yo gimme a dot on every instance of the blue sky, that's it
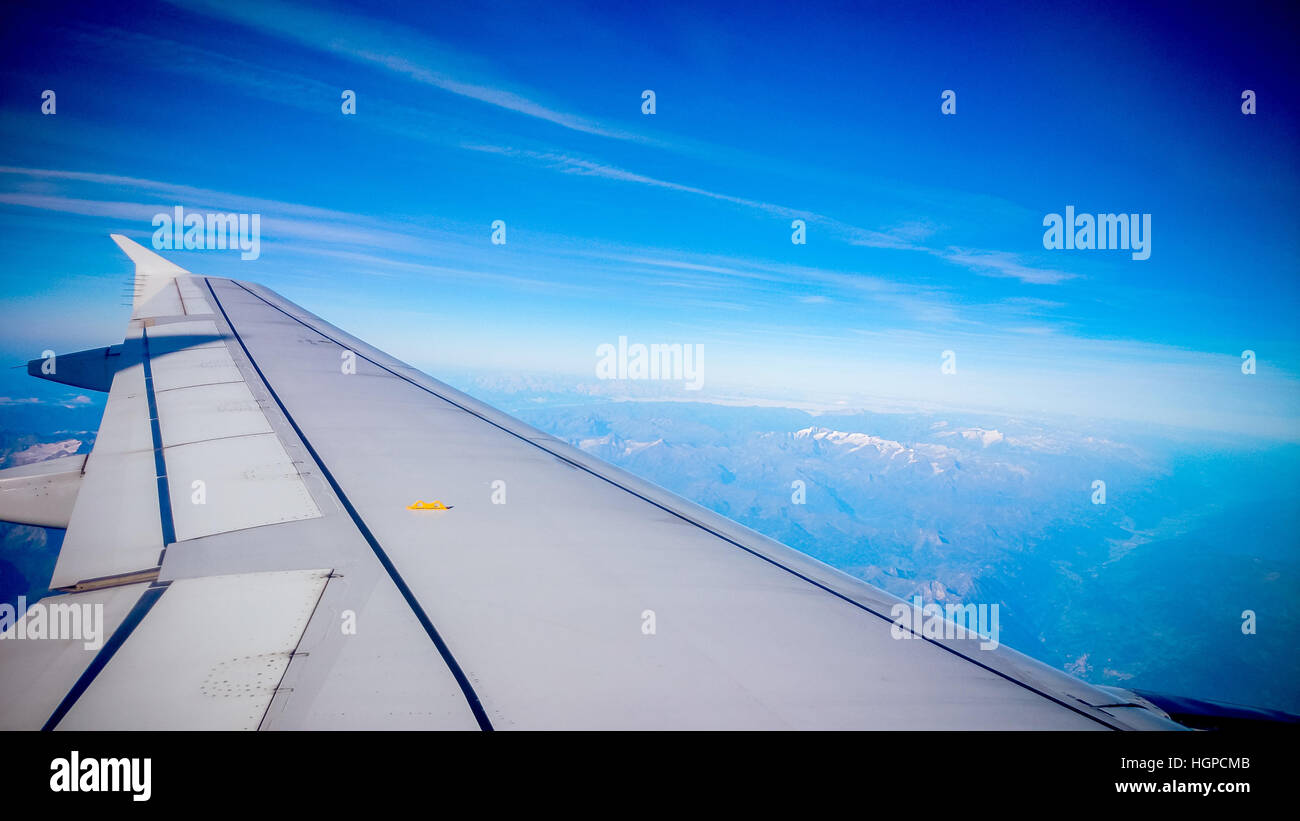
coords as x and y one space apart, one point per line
924 231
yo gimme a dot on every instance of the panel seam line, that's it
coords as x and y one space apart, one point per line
467 689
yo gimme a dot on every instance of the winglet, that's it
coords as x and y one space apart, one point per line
152 272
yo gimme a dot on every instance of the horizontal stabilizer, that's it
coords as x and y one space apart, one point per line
92 369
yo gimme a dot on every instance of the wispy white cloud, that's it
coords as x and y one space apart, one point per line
393 48
907 236
1004 265
386 248
278 218
389 47
133 211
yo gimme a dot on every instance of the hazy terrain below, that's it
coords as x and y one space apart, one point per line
32 431
1146 590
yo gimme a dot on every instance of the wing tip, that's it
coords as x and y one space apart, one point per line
152 272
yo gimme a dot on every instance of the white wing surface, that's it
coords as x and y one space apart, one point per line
243 525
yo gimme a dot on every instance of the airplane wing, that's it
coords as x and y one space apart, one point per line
244 528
